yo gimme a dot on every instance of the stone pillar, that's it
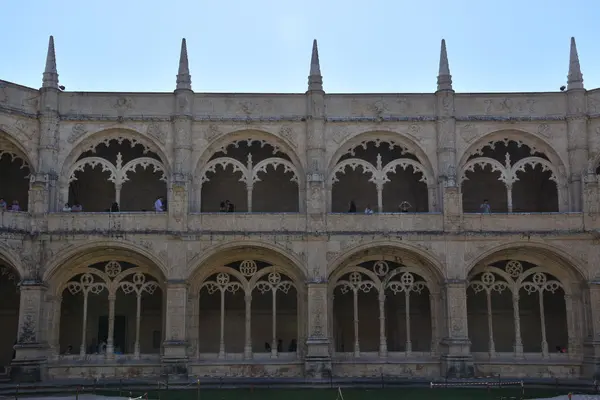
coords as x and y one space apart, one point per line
446 137
317 359
457 361
591 200
591 358
175 357
577 146
452 206
30 360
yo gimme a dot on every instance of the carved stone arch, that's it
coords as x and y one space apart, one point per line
519 136
9 144
353 163
106 165
382 136
11 259
482 162
223 162
228 270
202 265
92 252
556 261
355 268
403 163
243 135
520 165
428 265
135 270
80 271
275 162
265 272
93 139
143 162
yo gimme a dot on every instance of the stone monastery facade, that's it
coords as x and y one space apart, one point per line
295 276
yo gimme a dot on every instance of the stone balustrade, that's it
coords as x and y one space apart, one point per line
151 222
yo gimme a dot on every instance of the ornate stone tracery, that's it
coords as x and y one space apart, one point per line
517 158
247 277
112 278
514 278
380 278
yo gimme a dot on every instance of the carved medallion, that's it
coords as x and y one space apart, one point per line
123 103
212 132
287 133
544 130
77 132
155 131
468 132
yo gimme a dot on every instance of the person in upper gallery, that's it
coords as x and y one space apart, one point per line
485 207
352 207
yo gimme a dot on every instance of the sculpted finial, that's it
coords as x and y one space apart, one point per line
50 77
444 80
575 77
184 79
315 79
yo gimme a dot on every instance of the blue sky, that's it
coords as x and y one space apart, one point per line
265 45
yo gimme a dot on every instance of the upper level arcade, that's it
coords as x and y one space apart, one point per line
82 161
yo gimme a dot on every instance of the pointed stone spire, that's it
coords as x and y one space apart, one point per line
444 80
315 79
50 77
575 77
184 79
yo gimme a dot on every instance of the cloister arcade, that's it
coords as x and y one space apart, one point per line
15 171
514 176
115 170
109 309
9 312
384 175
385 303
255 175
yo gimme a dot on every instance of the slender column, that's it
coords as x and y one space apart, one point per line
407 314
543 324
118 194
517 321
138 317
356 340
110 342
571 328
56 327
274 325
509 198
84 325
222 338
248 344
491 345
432 196
382 335
249 197
433 309
380 198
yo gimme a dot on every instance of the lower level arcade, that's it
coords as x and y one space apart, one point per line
383 312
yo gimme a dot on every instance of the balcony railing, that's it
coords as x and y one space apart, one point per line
151 222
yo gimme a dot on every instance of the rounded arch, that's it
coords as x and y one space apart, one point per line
401 252
380 136
205 263
519 136
91 140
248 134
11 259
9 144
569 269
100 251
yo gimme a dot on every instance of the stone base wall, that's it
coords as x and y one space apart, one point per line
516 369
90 371
372 369
250 370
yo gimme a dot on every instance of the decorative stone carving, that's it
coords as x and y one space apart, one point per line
287 132
508 106
212 132
544 130
118 172
155 131
123 103
468 132
77 132
29 128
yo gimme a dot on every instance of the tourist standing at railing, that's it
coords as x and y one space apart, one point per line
67 208
15 206
158 205
3 205
352 207
485 207
368 210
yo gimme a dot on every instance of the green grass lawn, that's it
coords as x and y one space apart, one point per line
349 394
